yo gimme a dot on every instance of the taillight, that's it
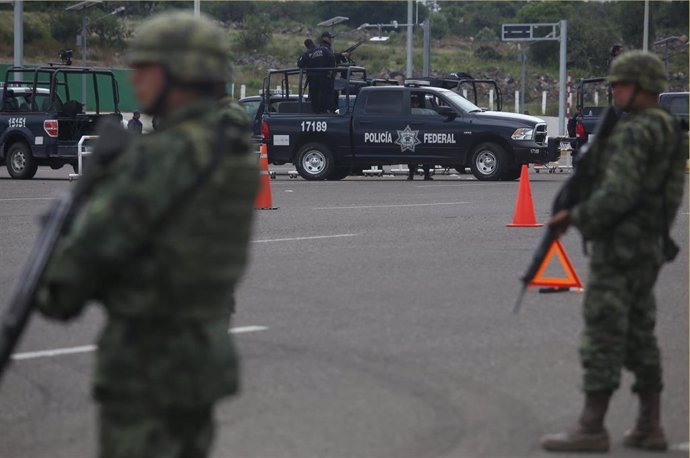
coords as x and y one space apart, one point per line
580 130
51 127
265 131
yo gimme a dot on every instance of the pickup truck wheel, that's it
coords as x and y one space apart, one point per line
339 173
20 162
489 161
314 162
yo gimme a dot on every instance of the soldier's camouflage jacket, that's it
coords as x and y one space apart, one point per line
163 255
621 205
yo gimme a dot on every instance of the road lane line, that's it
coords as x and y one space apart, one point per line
91 348
390 206
56 352
683 447
26 198
316 237
246 329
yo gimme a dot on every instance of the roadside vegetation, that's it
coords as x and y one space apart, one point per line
465 37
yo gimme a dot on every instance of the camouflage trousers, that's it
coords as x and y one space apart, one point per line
620 316
138 430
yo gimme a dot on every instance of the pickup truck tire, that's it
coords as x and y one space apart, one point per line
315 161
20 162
339 173
489 162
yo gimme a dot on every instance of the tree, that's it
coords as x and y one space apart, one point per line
256 35
630 20
544 53
109 29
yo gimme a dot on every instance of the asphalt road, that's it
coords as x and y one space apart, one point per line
374 321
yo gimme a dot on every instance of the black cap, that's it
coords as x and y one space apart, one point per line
327 34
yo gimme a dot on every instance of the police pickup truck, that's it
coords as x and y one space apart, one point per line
402 125
41 122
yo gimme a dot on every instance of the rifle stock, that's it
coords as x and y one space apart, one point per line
112 140
566 199
22 300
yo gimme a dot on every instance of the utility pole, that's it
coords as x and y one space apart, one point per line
18 33
645 34
426 26
197 8
522 57
410 31
562 76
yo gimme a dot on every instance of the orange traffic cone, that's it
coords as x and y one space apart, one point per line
570 281
524 208
264 200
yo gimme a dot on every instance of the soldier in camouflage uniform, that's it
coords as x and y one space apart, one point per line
161 244
632 194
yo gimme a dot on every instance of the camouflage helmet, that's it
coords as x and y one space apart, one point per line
640 67
193 50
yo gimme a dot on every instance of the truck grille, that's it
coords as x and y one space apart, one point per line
540 134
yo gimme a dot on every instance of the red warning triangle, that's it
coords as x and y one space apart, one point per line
570 280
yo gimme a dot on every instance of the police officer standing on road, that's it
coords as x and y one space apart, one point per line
625 210
134 125
161 243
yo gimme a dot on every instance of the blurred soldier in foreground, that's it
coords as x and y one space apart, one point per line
161 244
625 210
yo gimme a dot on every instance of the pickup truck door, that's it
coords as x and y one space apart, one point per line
375 125
441 137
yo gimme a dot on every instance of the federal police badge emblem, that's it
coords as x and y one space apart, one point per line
407 139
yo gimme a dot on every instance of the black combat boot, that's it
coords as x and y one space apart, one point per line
411 172
588 434
647 433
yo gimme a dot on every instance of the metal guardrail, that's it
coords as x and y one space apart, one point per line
82 151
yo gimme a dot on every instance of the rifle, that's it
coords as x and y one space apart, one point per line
112 140
566 199
354 46
351 49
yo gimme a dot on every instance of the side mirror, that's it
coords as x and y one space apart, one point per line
447 112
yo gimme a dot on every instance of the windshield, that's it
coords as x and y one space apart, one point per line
460 101
251 107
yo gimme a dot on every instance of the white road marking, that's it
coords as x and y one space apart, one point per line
56 352
246 329
317 237
390 206
27 198
684 447
91 348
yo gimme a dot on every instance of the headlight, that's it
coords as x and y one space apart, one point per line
523 133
